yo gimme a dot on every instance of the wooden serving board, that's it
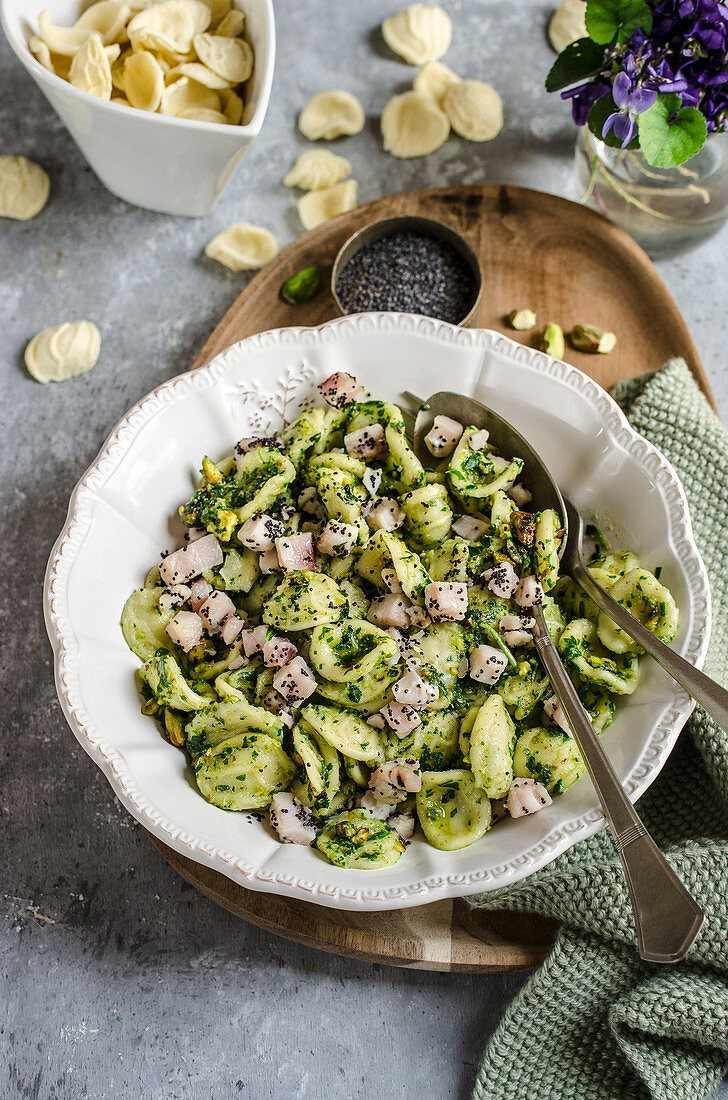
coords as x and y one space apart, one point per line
571 266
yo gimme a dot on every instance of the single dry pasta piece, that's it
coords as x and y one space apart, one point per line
143 80
113 52
199 72
24 188
316 169
435 78
317 207
331 114
413 125
421 33
475 110
61 40
41 53
243 247
230 58
107 17
568 23
117 73
232 26
201 114
185 95
63 351
91 70
232 106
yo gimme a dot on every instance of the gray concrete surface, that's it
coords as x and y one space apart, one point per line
117 979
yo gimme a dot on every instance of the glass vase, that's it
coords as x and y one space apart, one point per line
666 210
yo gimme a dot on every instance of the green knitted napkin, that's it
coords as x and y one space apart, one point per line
596 1022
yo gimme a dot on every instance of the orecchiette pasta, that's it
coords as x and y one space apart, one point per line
63 351
230 58
243 247
143 80
331 114
317 207
567 24
90 68
317 169
413 125
347 637
24 188
107 17
434 79
421 33
474 109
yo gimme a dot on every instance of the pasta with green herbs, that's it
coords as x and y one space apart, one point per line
345 639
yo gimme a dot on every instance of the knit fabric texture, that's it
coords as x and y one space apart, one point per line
596 1022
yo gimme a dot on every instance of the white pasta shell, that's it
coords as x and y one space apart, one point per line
185 95
331 114
435 78
117 73
232 26
421 33
91 70
63 351
316 169
113 52
41 53
413 125
61 40
475 110
200 114
199 72
243 247
230 58
143 81
568 23
108 18
24 188
173 23
317 207
232 106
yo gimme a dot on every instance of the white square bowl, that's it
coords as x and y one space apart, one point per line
170 165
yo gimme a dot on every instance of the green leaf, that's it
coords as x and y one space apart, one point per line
598 115
579 60
670 134
610 19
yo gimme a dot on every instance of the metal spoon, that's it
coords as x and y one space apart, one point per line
667 919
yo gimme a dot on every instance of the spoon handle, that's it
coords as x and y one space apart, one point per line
667 919
711 696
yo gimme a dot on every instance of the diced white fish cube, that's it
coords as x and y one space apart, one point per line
230 628
529 592
339 389
291 820
401 718
368 442
478 441
185 630
371 480
443 436
526 796
415 691
268 562
501 579
555 711
199 591
487 664
386 515
260 532
468 527
337 538
389 610
296 552
404 825
215 610
520 495
295 682
189 561
174 597
446 601
278 652
252 442
395 779
253 640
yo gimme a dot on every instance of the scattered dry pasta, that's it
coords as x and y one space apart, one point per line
421 33
413 125
24 188
63 351
331 114
185 58
317 207
317 169
243 247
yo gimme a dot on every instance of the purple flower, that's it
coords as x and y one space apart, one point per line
631 100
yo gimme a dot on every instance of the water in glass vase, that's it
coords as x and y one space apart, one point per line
666 210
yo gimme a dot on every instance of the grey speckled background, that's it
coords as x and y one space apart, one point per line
118 979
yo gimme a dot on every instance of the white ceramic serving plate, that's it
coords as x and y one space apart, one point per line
118 523
171 165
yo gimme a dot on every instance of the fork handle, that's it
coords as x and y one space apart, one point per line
712 697
667 919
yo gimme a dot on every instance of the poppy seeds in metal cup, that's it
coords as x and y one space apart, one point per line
408 272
